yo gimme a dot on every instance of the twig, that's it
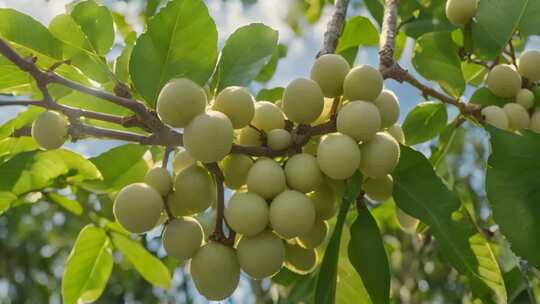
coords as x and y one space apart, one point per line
512 52
166 156
334 28
218 235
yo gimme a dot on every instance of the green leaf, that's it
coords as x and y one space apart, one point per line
88 267
6 198
11 77
150 267
245 53
272 95
12 146
530 24
513 189
125 29
325 291
268 71
96 22
66 203
425 121
376 9
181 41
436 58
25 31
419 192
484 97
22 119
357 31
473 73
121 64
367 255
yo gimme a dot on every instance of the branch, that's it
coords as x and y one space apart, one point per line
218 235
334 28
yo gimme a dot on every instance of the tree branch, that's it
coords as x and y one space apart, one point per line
334 28
218 235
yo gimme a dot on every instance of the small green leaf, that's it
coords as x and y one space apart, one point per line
121 64
245 53
268 71
66 203
88 267
96 22
272 95
484 97
6 198
425 121
150 267
358 31
12 146
474 74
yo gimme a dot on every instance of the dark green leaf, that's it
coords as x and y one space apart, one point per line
350 55
66 203
484 97
6 198
96 22
268 71
358 31
376 9
425 121
535 90
272 95
530 24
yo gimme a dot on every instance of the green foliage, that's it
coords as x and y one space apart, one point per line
268 71
97 24
484 97
272 95
425 121
358 31
70 205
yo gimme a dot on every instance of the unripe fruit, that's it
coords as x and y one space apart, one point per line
209 136
363 83
496 117
292 214
50 130
303 173
247 136
137 207
215 271
237 103
194 192
388 106
324 202
180 101
300 260
182 237
379 189
247 213
359 119
235 169
315 237
183 160
303 101
397 133
518 117
338 156
279 139
525 98
268 116
535 122
405 221
266 178
159 179
504 81
208 222
329 72
379 155
326 112
529 65
460 12
262 255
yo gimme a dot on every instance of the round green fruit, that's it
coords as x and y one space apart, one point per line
292 214
279 139
460 12
182 237
235 169
315 237
525 98
329 71
535 122
303 101
194 192
359 119
262 255
237 103
183 160
159 179
266 178
397 133
529 65
268 116
338 156
50 130
496 117
406 222
180 101
137 207
388 106
209 137
324 202
300 260
379 155
215 271
303 173
247 136
379 189
504 81
247 213
518 117
363 83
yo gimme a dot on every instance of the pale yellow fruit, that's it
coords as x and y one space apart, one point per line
504 81
180 101
388 106
315 237
496 117
266 178
194 192
303 173
406 222
279 139
525 98
268 116
182 237
303 101
292 214
326 112
359 119
209 137
235 169
137 207
535 122
518 117
50 130
379 189
363 83
529 65
329 72
183 160
379 155
237 103
247 213
460 12
215 271
324 202
338 156
300 260
262 255
247 136
397 133
159 179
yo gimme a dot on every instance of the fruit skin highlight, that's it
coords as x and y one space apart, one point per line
329 71
303 101
262 255
397 133
50 130
292 214
180 101
182 237
137 207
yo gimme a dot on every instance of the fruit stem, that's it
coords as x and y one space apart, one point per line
218 235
